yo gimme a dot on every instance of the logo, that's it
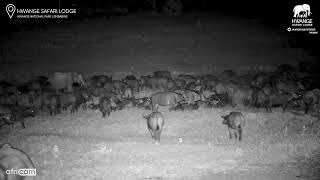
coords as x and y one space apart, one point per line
302 11
302 20
38 13
22 172
10 8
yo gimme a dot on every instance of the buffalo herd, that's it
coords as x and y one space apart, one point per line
60 92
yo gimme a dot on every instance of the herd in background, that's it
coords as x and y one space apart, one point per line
68 92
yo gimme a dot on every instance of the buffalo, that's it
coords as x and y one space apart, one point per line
235 122
155 122
170 99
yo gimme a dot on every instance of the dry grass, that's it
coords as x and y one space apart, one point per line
193 144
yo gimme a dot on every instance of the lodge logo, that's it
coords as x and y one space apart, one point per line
38 13
302 11
302 20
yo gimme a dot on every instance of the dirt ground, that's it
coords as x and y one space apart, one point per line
195 144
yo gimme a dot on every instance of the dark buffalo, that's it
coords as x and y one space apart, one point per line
191 96
128 93
180 83
8 88
145 80
68 100
206 94
227 75
51 102
289 87
242 96
23 100
208 77
99 80
162 74
170 99
61 80
20 113
82 97
219 100
134 84
5 116
191 85
128 103
259 98
281 99
130 77
311 99
187 78
159 83
260 80
118 86
186 107
16 114
235 122
226 88
108 86
105 106
155 122
172 85
8 99
211 84
23 89
243 80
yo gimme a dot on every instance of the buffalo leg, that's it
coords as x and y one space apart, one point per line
23 124
284 107
235 132
152 135
306 108
158 134
240 133
229 130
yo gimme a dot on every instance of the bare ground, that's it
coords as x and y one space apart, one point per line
194 145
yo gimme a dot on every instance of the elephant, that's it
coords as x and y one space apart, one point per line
305 8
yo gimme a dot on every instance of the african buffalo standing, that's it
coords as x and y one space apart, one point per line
280 99
61 80
155 122
159 83
170 99
162 74
235 122
310 99
191 96
242 95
